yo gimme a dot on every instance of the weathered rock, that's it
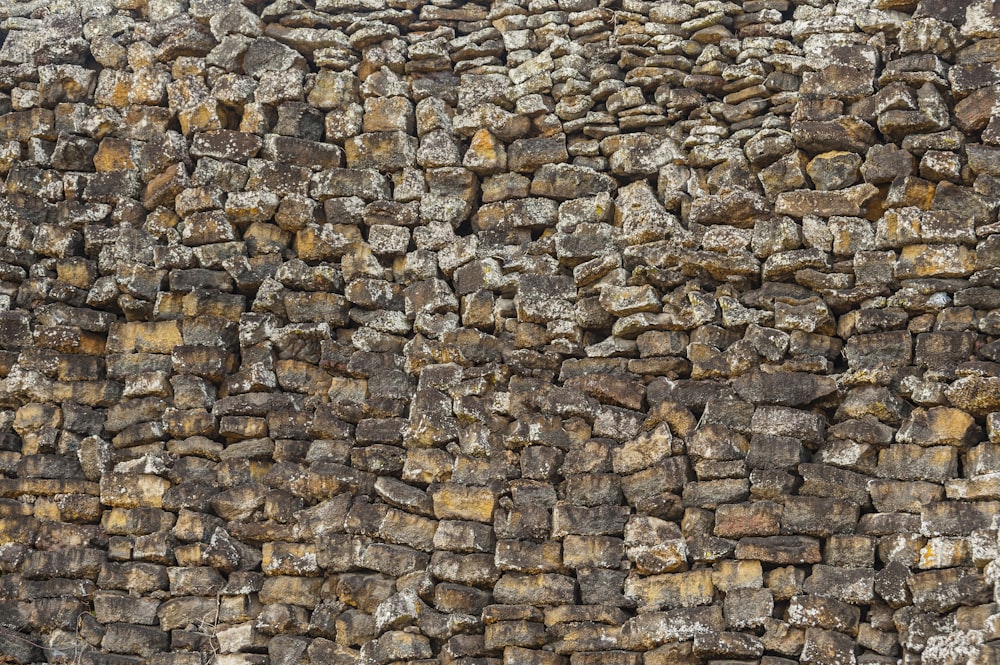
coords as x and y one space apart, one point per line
528 155
781 550
639 154
975 395
564 181
834 170
849 202
383 151
786 389
378 299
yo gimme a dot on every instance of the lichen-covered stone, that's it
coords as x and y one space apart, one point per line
359 332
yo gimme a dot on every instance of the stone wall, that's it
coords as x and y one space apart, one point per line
540 332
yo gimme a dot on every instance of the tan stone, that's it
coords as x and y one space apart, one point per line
671 591
939 426
851 202
975 394
403 528
315 243
113 88
945 552
728 575
164 188
386 151
427 465
114 154
289 559
34 416
298 376
486 154
643 451
133 490
388 114
143 337
760 518
205 116
76 271
941 261
462 502
911 191
302 591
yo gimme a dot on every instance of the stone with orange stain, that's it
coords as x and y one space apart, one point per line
486 154
944 552
463 502
114 153
69 339
911 191
940 261
144 337
76 271
203 116
163 189
113 88
939 426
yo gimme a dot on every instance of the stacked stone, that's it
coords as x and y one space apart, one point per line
542 332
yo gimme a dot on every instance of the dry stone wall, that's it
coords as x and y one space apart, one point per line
532 332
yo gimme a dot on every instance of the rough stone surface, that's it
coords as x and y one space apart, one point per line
499 332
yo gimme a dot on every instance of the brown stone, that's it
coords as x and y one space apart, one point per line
849 202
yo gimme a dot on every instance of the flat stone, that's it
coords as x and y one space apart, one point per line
850 202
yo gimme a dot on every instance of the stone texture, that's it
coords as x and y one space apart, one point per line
560 332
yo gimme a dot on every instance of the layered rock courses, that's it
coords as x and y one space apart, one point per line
525 332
